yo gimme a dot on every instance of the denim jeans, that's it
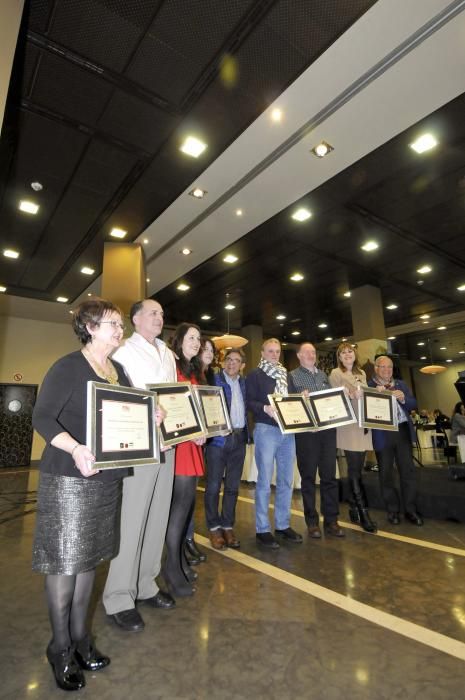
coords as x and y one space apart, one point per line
271 445
228 461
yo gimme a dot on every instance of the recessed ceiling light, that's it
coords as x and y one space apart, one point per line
328 338
421 343
89 294
348 294
28 206
461 288
425 316
9 253
369 246
147 279
424 270
2 288
63 300
322 325
423 357
198 193
276 114
442 328
448 360
343 340
183 287
301 214
280 317
443 348
229 307
297 277
391 337
205 317
230 258
425 142
87 270
239 212
295 333
322 149
193 147
145 241
461 352
425 323
186 251
391 307
37 186
282 344
118 233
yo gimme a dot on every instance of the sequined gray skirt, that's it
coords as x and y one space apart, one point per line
77 524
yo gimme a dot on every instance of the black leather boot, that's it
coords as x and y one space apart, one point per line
88 656
193 551
363 519
68 675
354 514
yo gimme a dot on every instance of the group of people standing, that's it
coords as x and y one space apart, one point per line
131 515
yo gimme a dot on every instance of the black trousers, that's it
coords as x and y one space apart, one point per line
318 451
398 450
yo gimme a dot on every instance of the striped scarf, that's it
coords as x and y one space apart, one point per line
278 372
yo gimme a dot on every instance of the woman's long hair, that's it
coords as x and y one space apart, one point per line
457 408
356 369
208 372
189 368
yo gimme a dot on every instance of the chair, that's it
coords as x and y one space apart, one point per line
450 448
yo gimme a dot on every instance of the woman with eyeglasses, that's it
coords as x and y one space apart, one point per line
77 524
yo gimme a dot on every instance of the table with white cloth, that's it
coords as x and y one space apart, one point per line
249 472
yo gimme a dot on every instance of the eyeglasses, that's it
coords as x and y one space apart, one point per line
114 324
232 359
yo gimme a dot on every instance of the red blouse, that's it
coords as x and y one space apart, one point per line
188 458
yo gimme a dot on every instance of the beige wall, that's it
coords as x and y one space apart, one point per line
438 390
29 347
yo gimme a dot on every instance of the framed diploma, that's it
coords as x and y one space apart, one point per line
292 413
183 421
377 409
121 427
213 410
331 408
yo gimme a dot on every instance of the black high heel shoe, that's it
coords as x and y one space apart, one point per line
191 547
180 589
68 675
88 656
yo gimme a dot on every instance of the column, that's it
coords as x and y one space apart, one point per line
123 276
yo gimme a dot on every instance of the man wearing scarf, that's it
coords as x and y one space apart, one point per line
271 446
396 446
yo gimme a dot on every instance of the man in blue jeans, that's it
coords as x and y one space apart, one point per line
225 456
271 445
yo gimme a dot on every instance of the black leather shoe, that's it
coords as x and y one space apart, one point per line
162 599
89 657
290 535
193 550
266 539
393 518
192 561
68 675
414 518
129 620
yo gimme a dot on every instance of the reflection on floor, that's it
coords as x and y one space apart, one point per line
370 616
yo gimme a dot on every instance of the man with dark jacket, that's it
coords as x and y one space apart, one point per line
225 456
396 446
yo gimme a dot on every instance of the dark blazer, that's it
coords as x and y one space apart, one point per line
379 436
259 385
219 440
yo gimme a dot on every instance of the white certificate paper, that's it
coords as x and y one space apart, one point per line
293 412
330 408
179 413
378 409
125 426
213 410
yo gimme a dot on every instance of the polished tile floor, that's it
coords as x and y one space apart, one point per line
370 616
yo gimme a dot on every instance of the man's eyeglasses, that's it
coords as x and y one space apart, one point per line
114 324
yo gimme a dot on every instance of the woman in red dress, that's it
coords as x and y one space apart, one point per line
188 465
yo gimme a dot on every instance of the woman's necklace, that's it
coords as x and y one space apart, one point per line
111 376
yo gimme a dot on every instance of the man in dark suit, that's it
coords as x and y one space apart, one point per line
396 446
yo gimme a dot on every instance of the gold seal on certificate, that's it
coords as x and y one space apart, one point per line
213 410
377 409
182 421
121 428
292 413
331 408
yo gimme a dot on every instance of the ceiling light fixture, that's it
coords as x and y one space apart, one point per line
461 352
295 333
391 307
9 253
425 316
2 289
230 258
147 279
297 277
424 270
28 206
63 300
205 317
193 147
424 143
276 114
183 287
369 246
301 214
229 307
431 368
118 233
448 360
442 328
392 337
322 149
328 338
87 270
145 241
423 357
186 251
348 294
239 212
461 288
280 317
443 347
227 340
198 193
37 186
421 343
322 325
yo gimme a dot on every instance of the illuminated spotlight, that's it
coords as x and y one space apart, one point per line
2 289
301 214
423 357
343 340
348 294
322 325
420 343
423 316
281 317
328 338
392 337
37 186
295 333
277 114
145 241
198 193
369 246
391 307
239 212
230 258
461 352
442 328
183 287
461 288
424 143
63 300
186 251
205 317
229 307
425 323
9 253
296 277
147 279
322 149
118 233
448 360
87 270
193 147
443 348
28 206
424 270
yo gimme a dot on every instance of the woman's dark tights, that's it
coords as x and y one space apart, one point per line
68 600
182 504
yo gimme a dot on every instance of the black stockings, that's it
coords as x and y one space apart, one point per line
68 600
182 505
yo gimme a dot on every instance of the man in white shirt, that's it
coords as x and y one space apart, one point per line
147 493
